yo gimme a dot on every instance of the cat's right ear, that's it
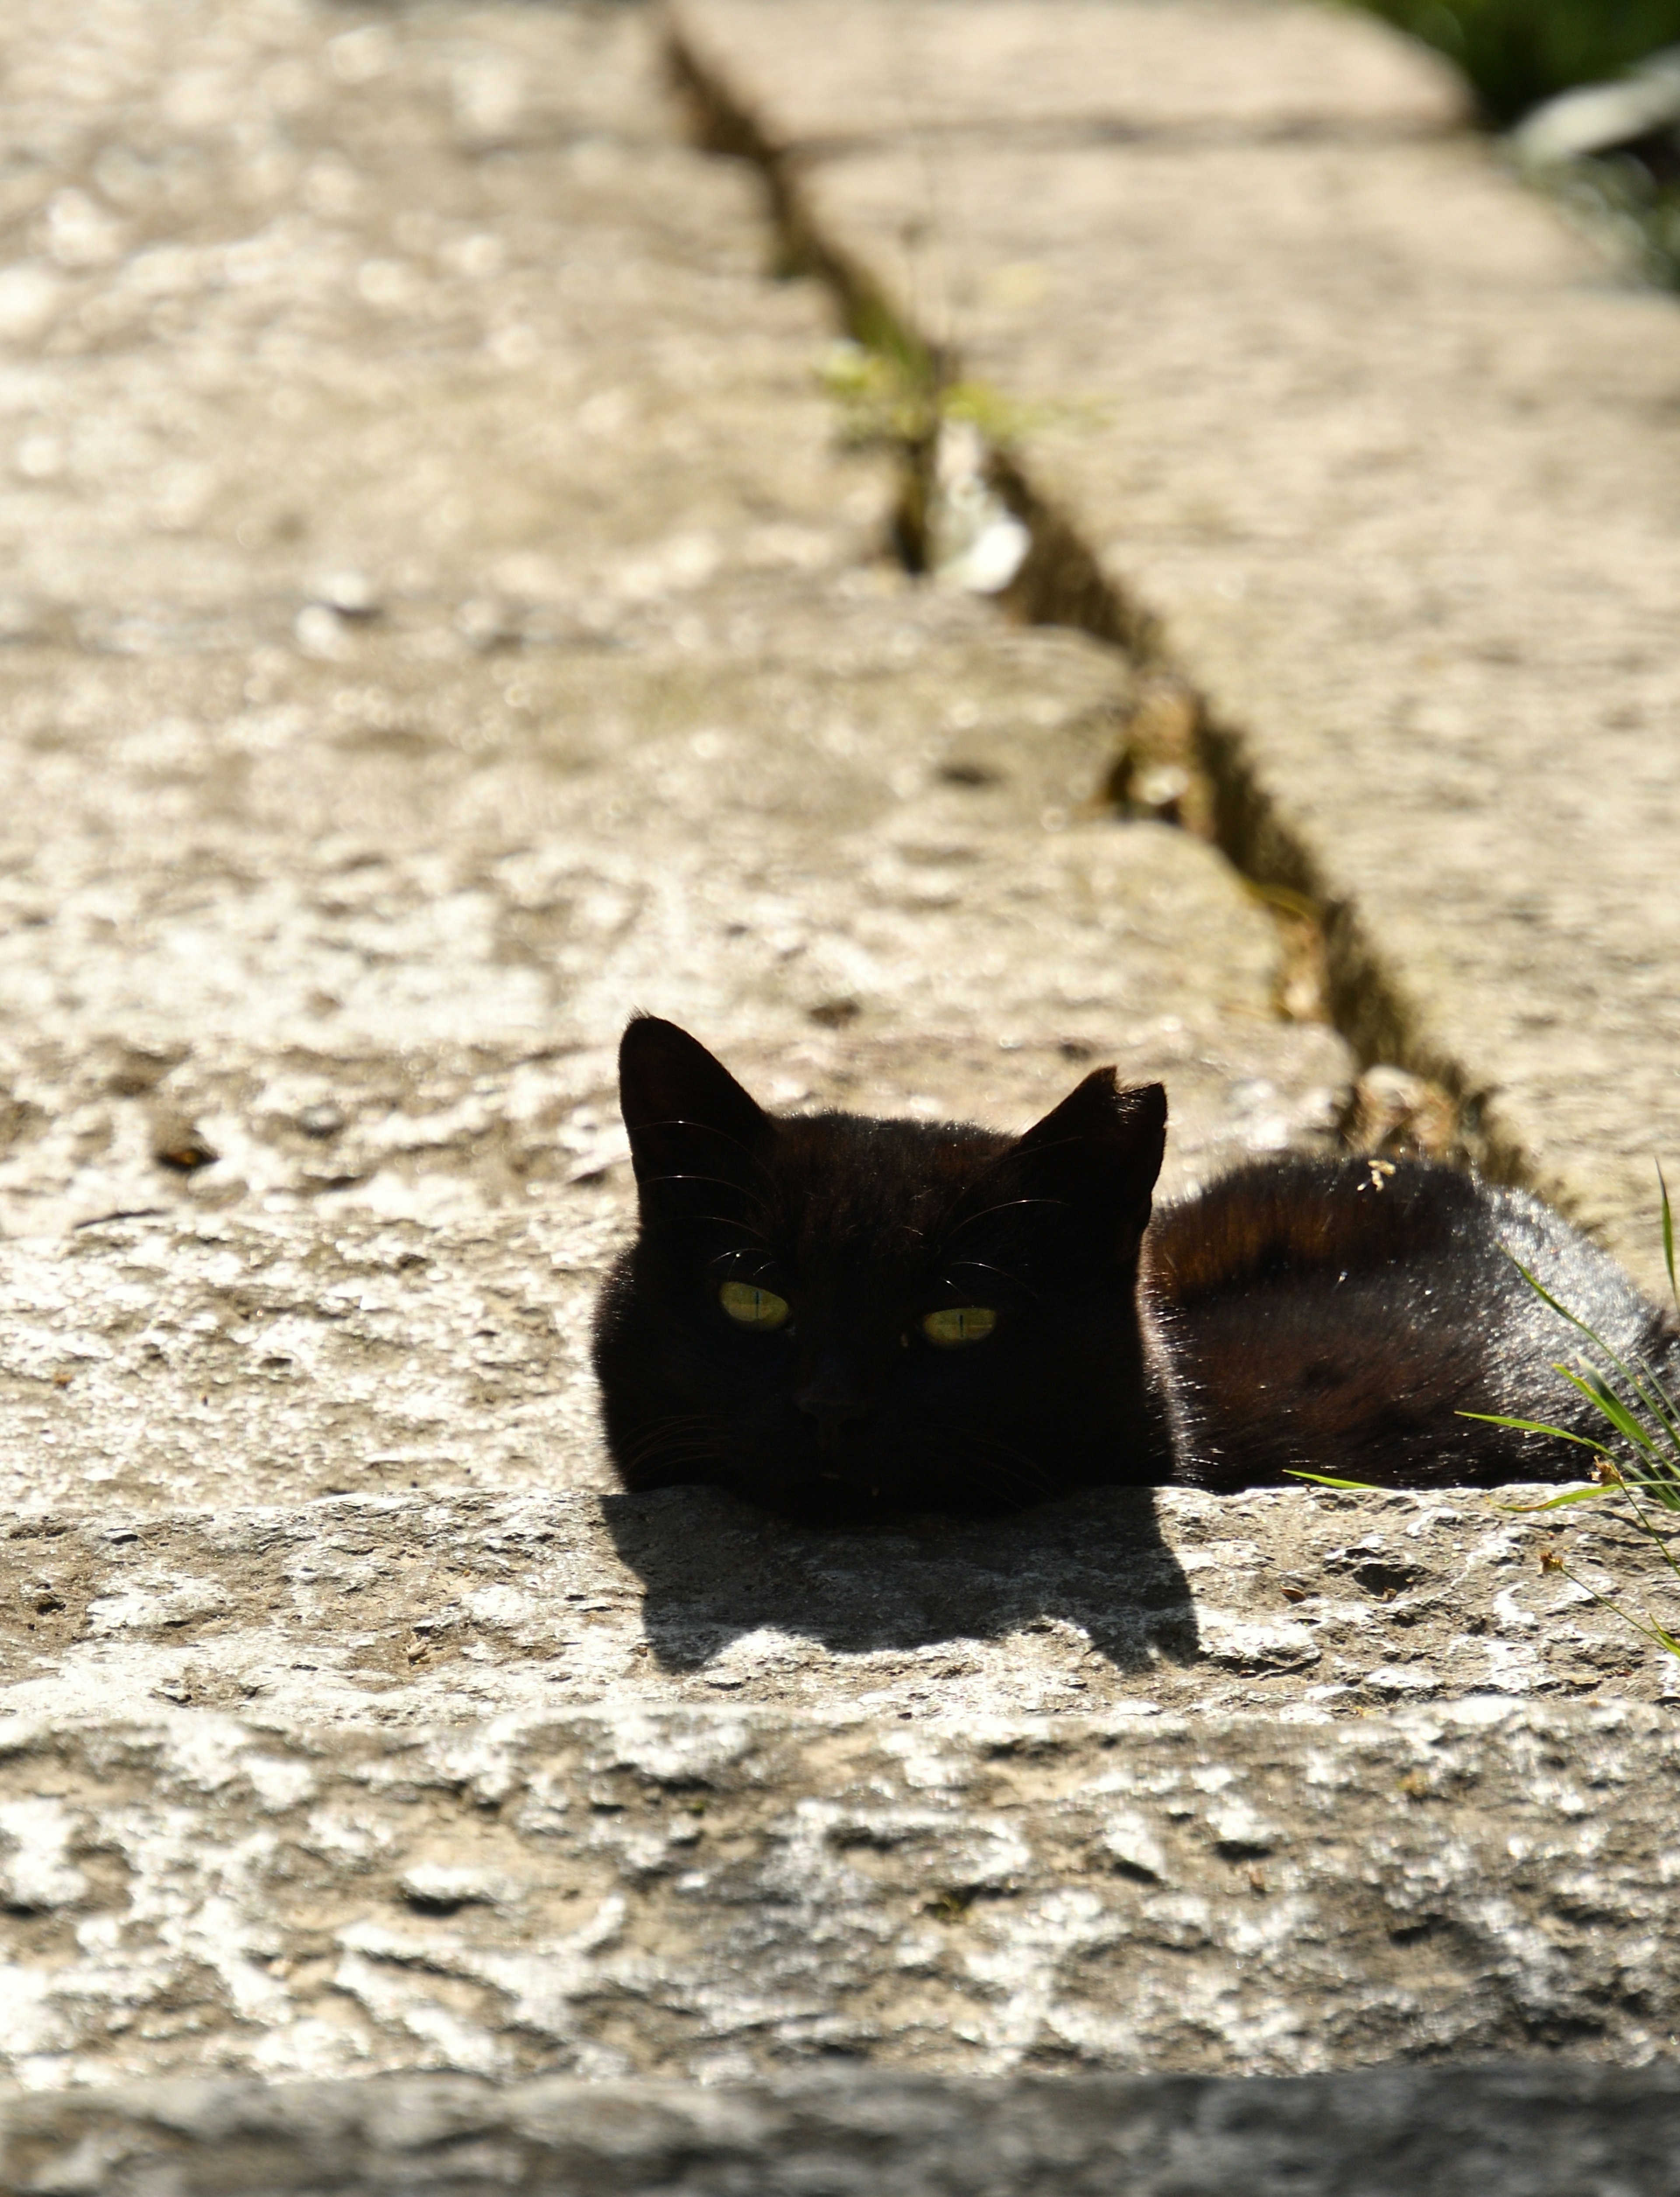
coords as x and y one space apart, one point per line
692 1126
1100 1151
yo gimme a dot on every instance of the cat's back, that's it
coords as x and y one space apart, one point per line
1339 1315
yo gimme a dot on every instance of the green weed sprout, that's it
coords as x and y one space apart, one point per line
893 395
1636 1463
890 396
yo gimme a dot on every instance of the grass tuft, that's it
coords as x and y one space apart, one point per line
1637 1459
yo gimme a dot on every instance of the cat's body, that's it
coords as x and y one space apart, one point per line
1340 1316
834 1315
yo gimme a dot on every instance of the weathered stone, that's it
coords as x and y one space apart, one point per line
715 1895
441 618
1452 2132
1381 450
485 693
1079 66
1550 2130
707 834
435 1607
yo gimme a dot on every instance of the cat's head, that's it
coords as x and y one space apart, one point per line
833 1314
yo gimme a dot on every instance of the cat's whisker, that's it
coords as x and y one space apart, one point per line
985 1266
1007 1206
728 1259
711 1129
717 1181
1019 1475
661 1439
691 1438
1022 1474
669 1452
730 1221
687 1422
1030 1465
715 1219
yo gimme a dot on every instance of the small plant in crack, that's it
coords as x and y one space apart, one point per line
950 436
1636 1466
895 394
953 521
888 395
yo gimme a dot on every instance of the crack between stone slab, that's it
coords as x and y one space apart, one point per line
1061 582
1048 133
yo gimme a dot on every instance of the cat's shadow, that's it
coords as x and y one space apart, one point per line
714 1568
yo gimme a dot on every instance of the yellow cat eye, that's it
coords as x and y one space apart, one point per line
959 1323
752 1306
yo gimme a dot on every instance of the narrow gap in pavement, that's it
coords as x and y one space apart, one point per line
1174 761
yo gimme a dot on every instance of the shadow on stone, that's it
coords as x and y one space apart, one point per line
714 1568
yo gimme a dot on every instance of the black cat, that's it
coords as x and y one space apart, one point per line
836 1315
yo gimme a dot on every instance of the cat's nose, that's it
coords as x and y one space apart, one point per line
833 1394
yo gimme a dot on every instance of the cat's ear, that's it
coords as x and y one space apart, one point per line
1100 1149
689 1122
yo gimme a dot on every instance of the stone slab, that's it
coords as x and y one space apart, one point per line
1123 67
406 1301
440 616
524 651
411 1607
1381 451
908 833
719 1894
1553 2130
390 1044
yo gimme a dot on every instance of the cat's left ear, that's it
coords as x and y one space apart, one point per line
1102 1147
694 1132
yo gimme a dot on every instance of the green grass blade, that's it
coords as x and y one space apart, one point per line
1647 1625
1546 1297
1558 1502
1580 1326
1656 1491
1323 1480
1603 1398
1652 1397
1534 1427
1668 1236
1660 1486
1661 1405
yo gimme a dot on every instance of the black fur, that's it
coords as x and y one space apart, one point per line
1335 1316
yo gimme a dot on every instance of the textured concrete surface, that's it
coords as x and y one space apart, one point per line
1498 2131
440 616
626 708
404 1609
1080 67
1384 453
716 1895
